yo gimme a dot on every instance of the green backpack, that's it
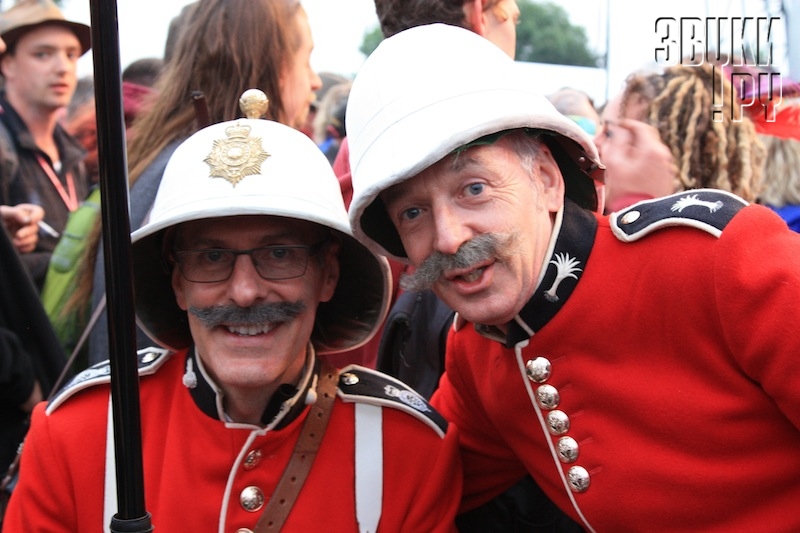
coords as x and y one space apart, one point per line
62 273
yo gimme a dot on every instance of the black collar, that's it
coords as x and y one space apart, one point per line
570 253
285 405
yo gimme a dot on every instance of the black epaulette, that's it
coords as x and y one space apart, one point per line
359 384
150 360
707 209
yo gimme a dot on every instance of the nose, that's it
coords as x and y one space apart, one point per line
450 230
64 63
246 286
316 81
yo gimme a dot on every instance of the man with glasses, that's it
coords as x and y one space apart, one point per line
247 273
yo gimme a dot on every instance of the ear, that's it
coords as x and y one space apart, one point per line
7 66
475 17
330 271
549 175
177 288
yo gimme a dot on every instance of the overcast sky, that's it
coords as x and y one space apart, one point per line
338 27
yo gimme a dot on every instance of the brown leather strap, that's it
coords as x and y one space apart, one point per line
305 451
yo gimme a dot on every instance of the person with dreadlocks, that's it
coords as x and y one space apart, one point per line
663 134
781 138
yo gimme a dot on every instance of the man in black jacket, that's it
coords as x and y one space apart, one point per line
31 358
41 163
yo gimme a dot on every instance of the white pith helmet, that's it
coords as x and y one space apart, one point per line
256 167
429 90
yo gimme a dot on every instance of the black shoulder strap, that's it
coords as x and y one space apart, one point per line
359 384
709 210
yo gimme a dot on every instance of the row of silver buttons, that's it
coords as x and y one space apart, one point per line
538 371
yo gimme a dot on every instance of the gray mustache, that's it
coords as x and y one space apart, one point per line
481 248
234 315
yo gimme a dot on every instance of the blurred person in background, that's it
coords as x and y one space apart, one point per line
778 128
42 164
30 357
69 308
329 122
676 106
781 187
576 105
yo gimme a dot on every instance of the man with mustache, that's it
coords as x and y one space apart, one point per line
247 273
641 367
40 163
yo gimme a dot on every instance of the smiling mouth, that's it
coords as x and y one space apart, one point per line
251 330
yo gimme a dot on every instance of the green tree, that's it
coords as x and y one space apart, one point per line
372 39
544 35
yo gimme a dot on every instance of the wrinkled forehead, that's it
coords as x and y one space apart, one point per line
475 158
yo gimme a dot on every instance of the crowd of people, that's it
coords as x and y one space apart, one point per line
576 317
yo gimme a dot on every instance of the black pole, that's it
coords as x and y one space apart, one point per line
131 517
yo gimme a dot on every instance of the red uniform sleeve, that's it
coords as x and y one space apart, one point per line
412 452
56 493
757 290
39 501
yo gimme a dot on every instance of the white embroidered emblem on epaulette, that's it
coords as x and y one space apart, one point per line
691 200
566 266
409 398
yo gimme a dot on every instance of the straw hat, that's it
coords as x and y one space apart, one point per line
27 15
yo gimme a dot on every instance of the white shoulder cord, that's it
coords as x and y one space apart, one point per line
369 466
110 494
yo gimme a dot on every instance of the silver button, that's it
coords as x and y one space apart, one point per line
538 369
548 397
567 449
578 478
149 357
252 499
630 217
244 530
557 422
252 460
348 378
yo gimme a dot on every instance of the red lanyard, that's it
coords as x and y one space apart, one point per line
71 198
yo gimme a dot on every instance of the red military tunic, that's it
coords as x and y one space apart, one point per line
197 467
653 381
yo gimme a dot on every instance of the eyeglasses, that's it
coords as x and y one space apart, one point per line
271 262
